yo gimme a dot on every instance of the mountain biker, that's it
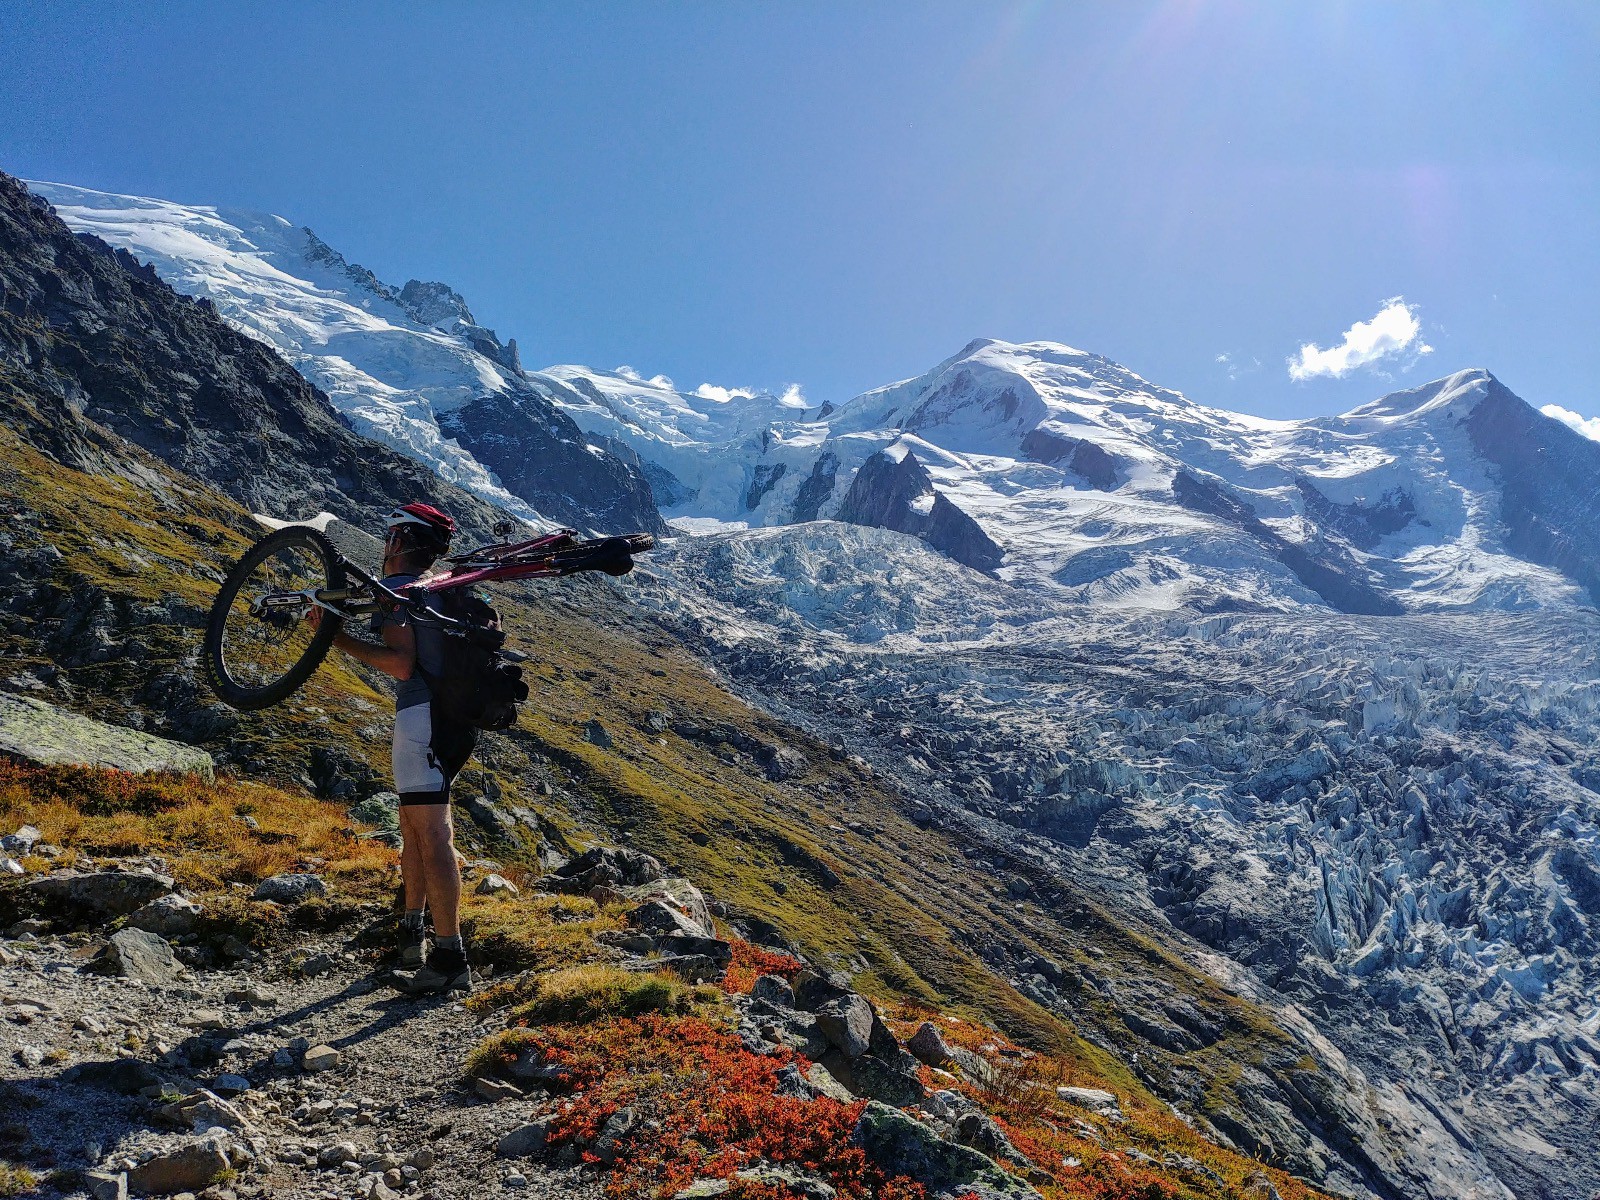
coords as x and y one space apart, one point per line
428 752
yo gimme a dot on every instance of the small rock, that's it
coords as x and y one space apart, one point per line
496 1090
423 1159
524 1141
135 954
31 1057
10 866
516 1180
318 964
320 1058
616 1129
497 885
335 1154
206 1018
290 888
22 841
1258 1187
595 734
24 1014
230 1085
106 1185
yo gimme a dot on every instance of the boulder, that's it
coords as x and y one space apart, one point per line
979 1131
37 732
847 1023
879 1080
497 885
135 954
774 990
202 1110
292 887
170 916
1094 1099
905 1146
94 893
789 1181
603 866
188 1168
812 989
715 949
928 1045
679 894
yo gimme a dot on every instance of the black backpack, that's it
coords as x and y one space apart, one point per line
480 683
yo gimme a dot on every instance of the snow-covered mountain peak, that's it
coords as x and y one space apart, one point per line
408 366
1458 393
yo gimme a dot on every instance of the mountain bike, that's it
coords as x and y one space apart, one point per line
259 649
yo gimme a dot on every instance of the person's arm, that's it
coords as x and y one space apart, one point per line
397 656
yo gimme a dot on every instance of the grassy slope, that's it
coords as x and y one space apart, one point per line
898 903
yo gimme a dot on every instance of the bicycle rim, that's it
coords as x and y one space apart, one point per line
258 653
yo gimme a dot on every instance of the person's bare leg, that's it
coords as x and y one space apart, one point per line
412 877
436 852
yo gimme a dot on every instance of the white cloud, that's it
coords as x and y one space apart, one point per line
1588 426
710 391
1394 332
792 396
660 381
1236 367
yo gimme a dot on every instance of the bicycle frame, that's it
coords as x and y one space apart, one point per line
350 602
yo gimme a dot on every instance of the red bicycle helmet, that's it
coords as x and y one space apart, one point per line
423 524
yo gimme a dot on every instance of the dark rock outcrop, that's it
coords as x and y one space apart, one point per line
1083 458
901 496
93 344
1549 484
1329 572
1362 525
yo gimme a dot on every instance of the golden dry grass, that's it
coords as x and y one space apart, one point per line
197 826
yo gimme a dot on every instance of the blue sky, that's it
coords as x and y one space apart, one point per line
841 195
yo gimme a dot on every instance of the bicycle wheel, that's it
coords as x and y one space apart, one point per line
257 654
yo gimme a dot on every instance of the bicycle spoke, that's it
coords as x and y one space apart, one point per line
259 648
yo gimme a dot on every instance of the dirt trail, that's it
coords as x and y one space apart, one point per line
76 1043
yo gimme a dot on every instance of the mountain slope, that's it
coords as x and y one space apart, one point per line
407 366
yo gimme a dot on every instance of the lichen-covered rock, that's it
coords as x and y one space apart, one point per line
169 916
42 733
292 887
135 954
604 866
92 894
905 1146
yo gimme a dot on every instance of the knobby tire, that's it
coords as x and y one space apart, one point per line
221 650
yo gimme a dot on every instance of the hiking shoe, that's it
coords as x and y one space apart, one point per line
445 971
